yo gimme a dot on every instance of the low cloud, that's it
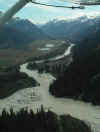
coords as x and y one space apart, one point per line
76 15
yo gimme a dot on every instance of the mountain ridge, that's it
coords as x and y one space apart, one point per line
19 33
75 30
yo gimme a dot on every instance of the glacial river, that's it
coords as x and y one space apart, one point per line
66 53
34 97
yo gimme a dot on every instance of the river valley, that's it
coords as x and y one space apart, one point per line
34 97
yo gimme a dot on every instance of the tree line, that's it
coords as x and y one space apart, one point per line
28 121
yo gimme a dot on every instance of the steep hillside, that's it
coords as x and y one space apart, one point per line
26 26
15 80
18 33
81 79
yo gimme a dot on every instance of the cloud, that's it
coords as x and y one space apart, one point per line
93 14
76 15
37 22
7 3
45 13
47 9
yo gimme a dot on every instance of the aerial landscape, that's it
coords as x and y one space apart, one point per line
50 66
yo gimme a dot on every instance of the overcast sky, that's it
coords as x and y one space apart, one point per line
42 14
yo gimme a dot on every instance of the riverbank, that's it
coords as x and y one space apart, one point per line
37 96
55 66
12 80
78 109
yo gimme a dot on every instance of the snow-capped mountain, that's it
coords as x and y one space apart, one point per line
74 30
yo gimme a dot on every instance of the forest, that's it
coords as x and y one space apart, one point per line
28 121
81 80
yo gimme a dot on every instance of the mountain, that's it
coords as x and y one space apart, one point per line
75 30
26 26
18 33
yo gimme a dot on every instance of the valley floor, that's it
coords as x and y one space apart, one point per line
34 98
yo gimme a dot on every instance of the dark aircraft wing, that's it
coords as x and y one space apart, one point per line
84 2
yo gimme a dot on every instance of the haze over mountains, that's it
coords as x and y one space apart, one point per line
75 30
20 32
